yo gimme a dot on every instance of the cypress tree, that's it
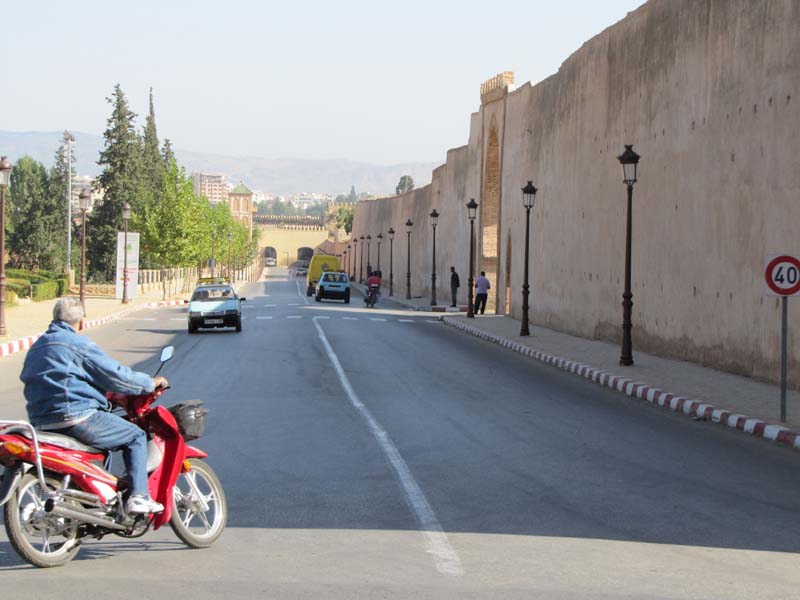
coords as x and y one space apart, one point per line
120 182
153 168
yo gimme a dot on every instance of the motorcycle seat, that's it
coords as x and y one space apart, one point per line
56 439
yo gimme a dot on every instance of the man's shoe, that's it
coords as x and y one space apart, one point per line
141 505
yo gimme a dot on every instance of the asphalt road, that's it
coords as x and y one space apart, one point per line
379 453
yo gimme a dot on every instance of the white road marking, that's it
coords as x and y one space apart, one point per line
405 320
305 298
381 320
290 304
350 318
263 317
322 317
176 319
294 317
270 305
447 561
433 321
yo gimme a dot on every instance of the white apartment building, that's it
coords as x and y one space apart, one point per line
211 185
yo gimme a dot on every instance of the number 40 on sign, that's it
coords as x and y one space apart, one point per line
783 279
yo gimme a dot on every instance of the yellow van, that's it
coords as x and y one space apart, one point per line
316 267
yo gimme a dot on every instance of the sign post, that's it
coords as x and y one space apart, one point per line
132 276
783 279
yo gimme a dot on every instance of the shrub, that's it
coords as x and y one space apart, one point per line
29 275
21 287
63 286
46 290
11 296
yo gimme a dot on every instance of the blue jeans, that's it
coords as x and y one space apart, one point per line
106 431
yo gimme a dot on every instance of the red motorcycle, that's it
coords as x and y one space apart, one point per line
58 492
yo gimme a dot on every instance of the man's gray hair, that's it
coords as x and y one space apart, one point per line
68 309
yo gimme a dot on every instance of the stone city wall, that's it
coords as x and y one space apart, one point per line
708 91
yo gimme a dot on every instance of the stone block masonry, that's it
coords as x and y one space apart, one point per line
708 94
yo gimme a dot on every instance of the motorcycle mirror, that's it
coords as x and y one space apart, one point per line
167 353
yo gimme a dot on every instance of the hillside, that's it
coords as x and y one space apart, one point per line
279 176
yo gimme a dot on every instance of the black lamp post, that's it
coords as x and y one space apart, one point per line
409 227
230 238
630 166
361 263
213 249
472 211
380 241
528 199
126 214
349 254
85 200
369 255
5 181
434 222
391 261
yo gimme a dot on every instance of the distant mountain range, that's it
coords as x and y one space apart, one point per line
279 176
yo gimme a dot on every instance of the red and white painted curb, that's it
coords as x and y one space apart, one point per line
8 348
642 391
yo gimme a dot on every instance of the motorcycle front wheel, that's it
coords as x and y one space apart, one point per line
40 538
199 510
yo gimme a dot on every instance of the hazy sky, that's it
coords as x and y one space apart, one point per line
366 80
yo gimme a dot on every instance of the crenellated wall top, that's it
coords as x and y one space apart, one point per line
497 87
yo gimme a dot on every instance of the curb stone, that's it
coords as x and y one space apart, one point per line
8 348
637 389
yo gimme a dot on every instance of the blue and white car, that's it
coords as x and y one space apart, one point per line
215 304
333 284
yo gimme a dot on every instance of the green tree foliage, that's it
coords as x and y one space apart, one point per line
35 218
167 153
153 163
406 184
344 218
120 182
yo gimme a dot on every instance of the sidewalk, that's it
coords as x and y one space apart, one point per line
24 322
700 392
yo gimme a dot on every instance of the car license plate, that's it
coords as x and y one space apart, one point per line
213 321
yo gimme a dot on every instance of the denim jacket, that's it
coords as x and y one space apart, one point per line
66 376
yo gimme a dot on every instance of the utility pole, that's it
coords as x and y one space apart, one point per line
68 141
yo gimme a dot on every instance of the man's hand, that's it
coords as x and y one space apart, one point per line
160 382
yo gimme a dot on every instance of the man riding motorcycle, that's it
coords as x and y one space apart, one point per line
66 378
373 288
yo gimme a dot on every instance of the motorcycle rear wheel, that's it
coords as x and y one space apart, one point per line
195 527
40 538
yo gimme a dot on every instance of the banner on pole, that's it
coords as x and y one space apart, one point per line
133 264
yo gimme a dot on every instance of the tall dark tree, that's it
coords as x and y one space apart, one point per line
120 182
34 217
352 197
153 166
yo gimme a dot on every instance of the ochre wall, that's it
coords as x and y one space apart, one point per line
707 91
289 240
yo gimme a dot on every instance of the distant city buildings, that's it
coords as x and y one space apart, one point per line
211 185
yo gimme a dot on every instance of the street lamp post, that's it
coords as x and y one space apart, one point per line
5 180
126 214
380 241
369 255
361 263
349 255
85 200
228 266
528 199
472 211
355 258
214 250
409 226
630 166
434 222
391 260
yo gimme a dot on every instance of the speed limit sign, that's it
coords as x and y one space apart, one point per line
783 275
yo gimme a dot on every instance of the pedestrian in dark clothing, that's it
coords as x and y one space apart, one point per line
454 285
482 286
